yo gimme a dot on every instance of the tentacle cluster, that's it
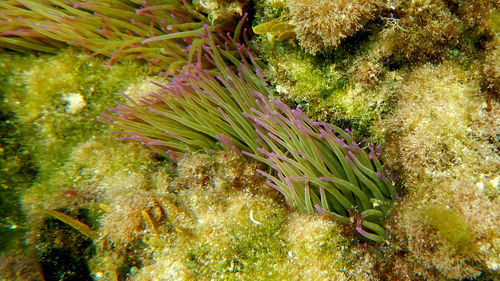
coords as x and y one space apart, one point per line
316 166
164 34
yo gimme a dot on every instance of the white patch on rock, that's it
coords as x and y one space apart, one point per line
74 102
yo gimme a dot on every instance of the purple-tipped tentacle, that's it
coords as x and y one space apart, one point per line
227 142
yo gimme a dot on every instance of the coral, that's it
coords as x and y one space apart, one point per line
321 25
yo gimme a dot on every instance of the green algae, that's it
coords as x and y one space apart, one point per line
238 230
38 98
324 89
452 227
16 167
41 127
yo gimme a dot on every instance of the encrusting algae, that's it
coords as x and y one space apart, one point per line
417 77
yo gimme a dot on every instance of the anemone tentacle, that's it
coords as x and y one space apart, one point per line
316 166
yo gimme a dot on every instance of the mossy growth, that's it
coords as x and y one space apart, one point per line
442 125
16 167
494 23
350 89
117 181
237 219
233 239
452 227
448 232
226 214
230 226
55 100
49 106
441 140
354 83
307 81
351 85
318 251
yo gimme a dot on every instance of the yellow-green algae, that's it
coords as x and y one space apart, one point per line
428 90
441 135
221 223
326 89
213 217
38 93
40 97
354 84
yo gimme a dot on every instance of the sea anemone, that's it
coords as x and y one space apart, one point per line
199 108
320 166
317 165
165 35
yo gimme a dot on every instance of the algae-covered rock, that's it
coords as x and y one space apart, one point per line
419 77
442 135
